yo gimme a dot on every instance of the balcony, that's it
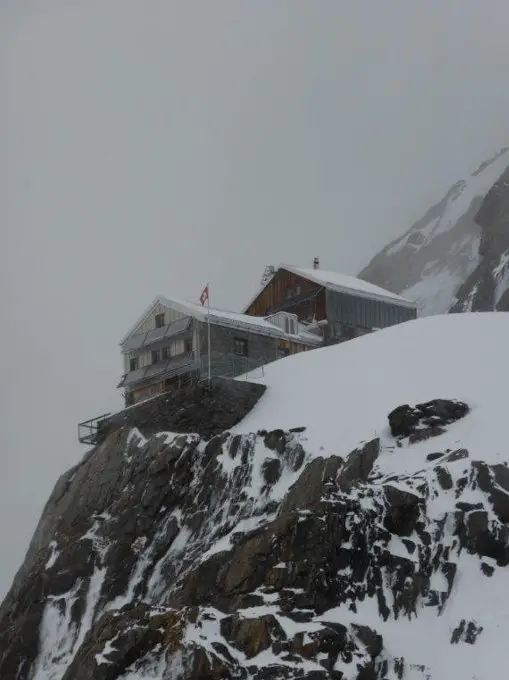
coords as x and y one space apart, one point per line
168 368
89 431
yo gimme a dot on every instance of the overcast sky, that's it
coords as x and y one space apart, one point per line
149 146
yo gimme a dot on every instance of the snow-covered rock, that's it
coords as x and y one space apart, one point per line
456 257
310 541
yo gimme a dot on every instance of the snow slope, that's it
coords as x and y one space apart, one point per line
211 529
342 394
433 258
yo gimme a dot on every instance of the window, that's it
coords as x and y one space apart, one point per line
188 347
133 364
289 326
240 346
155 356
165 353
159 320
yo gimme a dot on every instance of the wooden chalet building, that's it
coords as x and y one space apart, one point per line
295 310
168 345
344 307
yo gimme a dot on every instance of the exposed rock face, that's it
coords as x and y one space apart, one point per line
456 257
487 287
425 420
241 557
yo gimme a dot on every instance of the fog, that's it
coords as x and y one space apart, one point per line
149 147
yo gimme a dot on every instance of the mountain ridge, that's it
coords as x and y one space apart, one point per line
439 260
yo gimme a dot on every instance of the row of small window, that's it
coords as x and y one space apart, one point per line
159 355
240 347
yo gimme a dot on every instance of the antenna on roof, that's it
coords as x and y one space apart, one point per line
316 263
269 272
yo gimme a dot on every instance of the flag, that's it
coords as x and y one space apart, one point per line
204 297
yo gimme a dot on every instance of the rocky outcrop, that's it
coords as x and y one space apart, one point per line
244 557
456 257
425 420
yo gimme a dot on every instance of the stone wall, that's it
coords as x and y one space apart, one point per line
193 409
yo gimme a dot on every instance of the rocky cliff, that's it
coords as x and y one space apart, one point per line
455 257
262 555
177 558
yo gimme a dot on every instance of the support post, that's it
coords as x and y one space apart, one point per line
208 331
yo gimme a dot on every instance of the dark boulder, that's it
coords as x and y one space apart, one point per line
425 420
251 635
359 465
402 511
466 632
372 640
271 470
402 420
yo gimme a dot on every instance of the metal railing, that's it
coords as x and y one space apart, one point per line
232 366
167 368
89 430
194 371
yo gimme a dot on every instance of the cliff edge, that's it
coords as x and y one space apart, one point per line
266 552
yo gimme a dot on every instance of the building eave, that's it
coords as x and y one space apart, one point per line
140 319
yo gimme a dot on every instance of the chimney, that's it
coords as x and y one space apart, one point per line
316 263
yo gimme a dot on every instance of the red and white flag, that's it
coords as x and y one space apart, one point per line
204 297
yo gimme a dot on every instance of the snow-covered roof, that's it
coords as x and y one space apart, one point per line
236 319
341 283
348 284
226 318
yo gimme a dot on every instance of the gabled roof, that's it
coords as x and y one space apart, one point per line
347 284
222 317
341 283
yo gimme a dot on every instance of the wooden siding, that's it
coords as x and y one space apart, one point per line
291 346
149 322
273 297
149 391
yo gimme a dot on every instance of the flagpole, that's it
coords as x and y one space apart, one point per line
208 325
